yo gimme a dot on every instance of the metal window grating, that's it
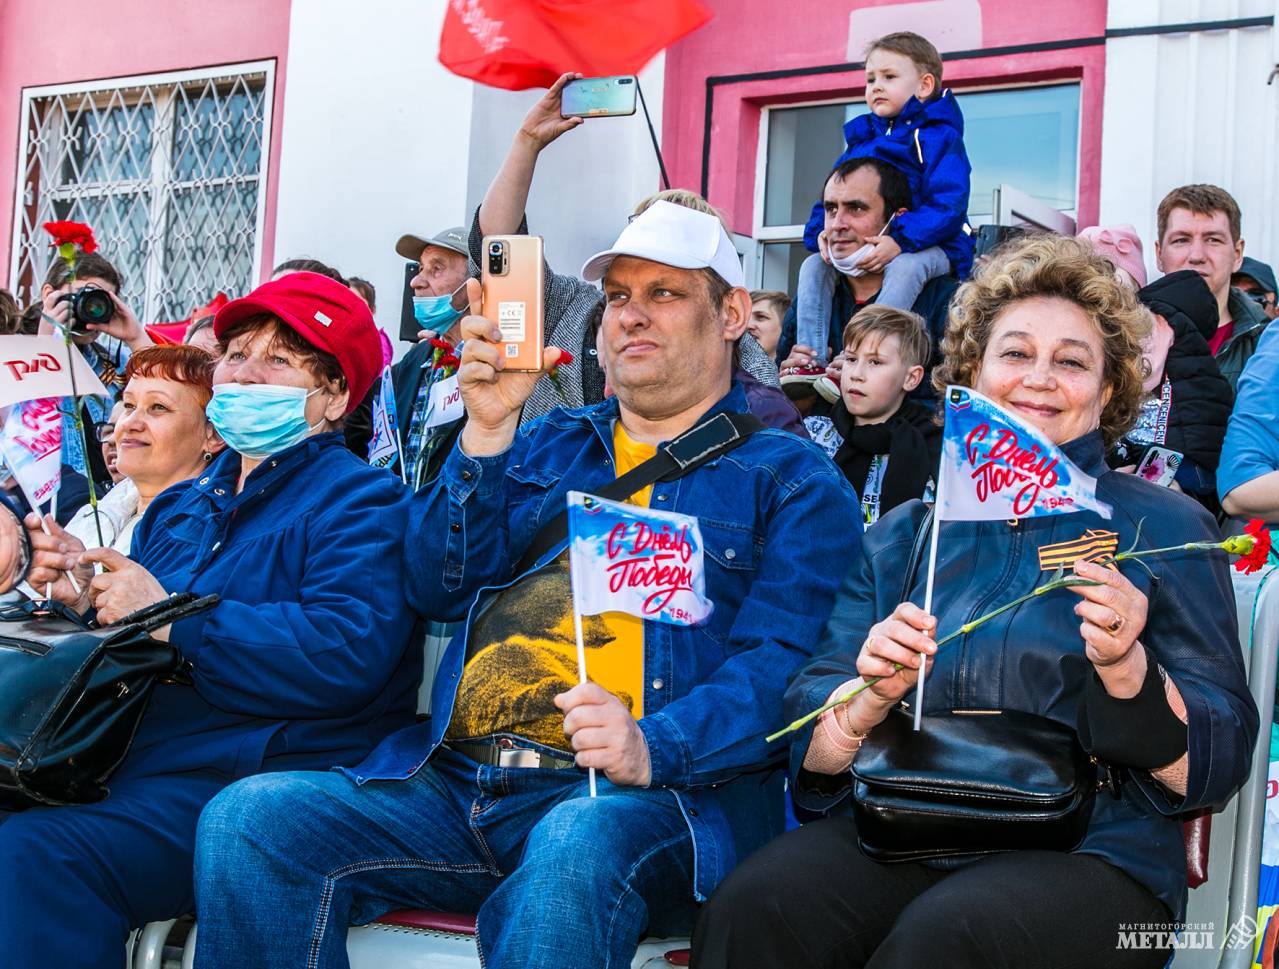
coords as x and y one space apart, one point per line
167 170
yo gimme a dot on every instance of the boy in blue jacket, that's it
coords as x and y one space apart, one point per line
915 126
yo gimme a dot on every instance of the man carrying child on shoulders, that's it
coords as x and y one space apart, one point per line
914 126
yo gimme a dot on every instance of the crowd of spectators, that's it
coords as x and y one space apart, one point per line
240 458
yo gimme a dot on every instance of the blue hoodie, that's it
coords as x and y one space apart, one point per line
926 142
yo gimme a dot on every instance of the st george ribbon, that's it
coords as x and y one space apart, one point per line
624 558
994 467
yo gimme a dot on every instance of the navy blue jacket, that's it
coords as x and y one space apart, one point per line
1031 659
774 516
926 142
306 661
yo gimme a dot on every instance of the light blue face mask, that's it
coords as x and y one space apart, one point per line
259 419
436 313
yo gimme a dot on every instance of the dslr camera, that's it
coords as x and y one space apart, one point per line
92 304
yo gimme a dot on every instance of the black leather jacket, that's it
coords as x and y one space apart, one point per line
1031 659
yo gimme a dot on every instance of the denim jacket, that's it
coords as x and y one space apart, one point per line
1031 659
775 516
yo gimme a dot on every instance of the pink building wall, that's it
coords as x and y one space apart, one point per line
760 36
57 43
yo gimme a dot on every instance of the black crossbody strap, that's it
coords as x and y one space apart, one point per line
695 447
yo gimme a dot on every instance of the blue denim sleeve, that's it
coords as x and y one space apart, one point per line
456 540
716 731
1251 447
942 207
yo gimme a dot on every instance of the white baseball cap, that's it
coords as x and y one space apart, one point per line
674 235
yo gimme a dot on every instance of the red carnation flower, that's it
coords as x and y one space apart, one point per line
554 373
72 234
441 344
1255 558
450 360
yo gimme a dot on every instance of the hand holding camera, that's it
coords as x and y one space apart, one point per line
90 310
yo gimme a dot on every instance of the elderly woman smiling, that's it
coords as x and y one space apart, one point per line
160 437
303 664
1145 669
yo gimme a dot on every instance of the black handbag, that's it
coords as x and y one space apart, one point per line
72 696
969 782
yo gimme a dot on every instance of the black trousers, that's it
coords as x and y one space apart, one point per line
811 900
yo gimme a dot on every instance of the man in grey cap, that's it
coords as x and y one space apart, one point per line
442 262
439 299
1257 281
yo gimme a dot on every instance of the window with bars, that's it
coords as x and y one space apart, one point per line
169 172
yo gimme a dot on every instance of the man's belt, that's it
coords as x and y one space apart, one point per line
505 752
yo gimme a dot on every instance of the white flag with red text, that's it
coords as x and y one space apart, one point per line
31 444
624 558
995 467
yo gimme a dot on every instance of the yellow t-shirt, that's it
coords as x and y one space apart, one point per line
522 648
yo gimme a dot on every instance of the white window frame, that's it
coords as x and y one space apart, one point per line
764 234
159 157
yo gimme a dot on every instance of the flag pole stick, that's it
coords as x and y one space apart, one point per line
581 667
53 512
938 505
575 582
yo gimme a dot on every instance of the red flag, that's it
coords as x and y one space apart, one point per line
518 44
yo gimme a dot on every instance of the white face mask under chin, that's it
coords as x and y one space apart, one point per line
848 264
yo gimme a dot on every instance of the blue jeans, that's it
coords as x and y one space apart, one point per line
285 862
904 279
75 879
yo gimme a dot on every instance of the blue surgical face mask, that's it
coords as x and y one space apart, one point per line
259 419
436 313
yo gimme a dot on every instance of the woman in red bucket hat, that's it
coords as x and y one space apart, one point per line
305 662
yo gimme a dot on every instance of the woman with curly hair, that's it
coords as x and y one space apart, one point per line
1144 670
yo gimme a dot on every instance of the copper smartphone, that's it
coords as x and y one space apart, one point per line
512 280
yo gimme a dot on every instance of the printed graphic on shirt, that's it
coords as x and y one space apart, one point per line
1152 420
521 650
1092 545
874 485
823 433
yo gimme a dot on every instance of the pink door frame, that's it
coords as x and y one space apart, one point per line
43 44
713 105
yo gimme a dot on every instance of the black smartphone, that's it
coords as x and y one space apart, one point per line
409 326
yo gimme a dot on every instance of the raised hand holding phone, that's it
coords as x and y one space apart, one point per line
545 121
512 285
492 394
599 97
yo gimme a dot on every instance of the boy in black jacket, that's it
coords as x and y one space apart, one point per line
886 444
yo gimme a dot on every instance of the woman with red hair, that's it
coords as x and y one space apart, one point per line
162 437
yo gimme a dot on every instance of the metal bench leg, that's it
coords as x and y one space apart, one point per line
188 950
150 951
